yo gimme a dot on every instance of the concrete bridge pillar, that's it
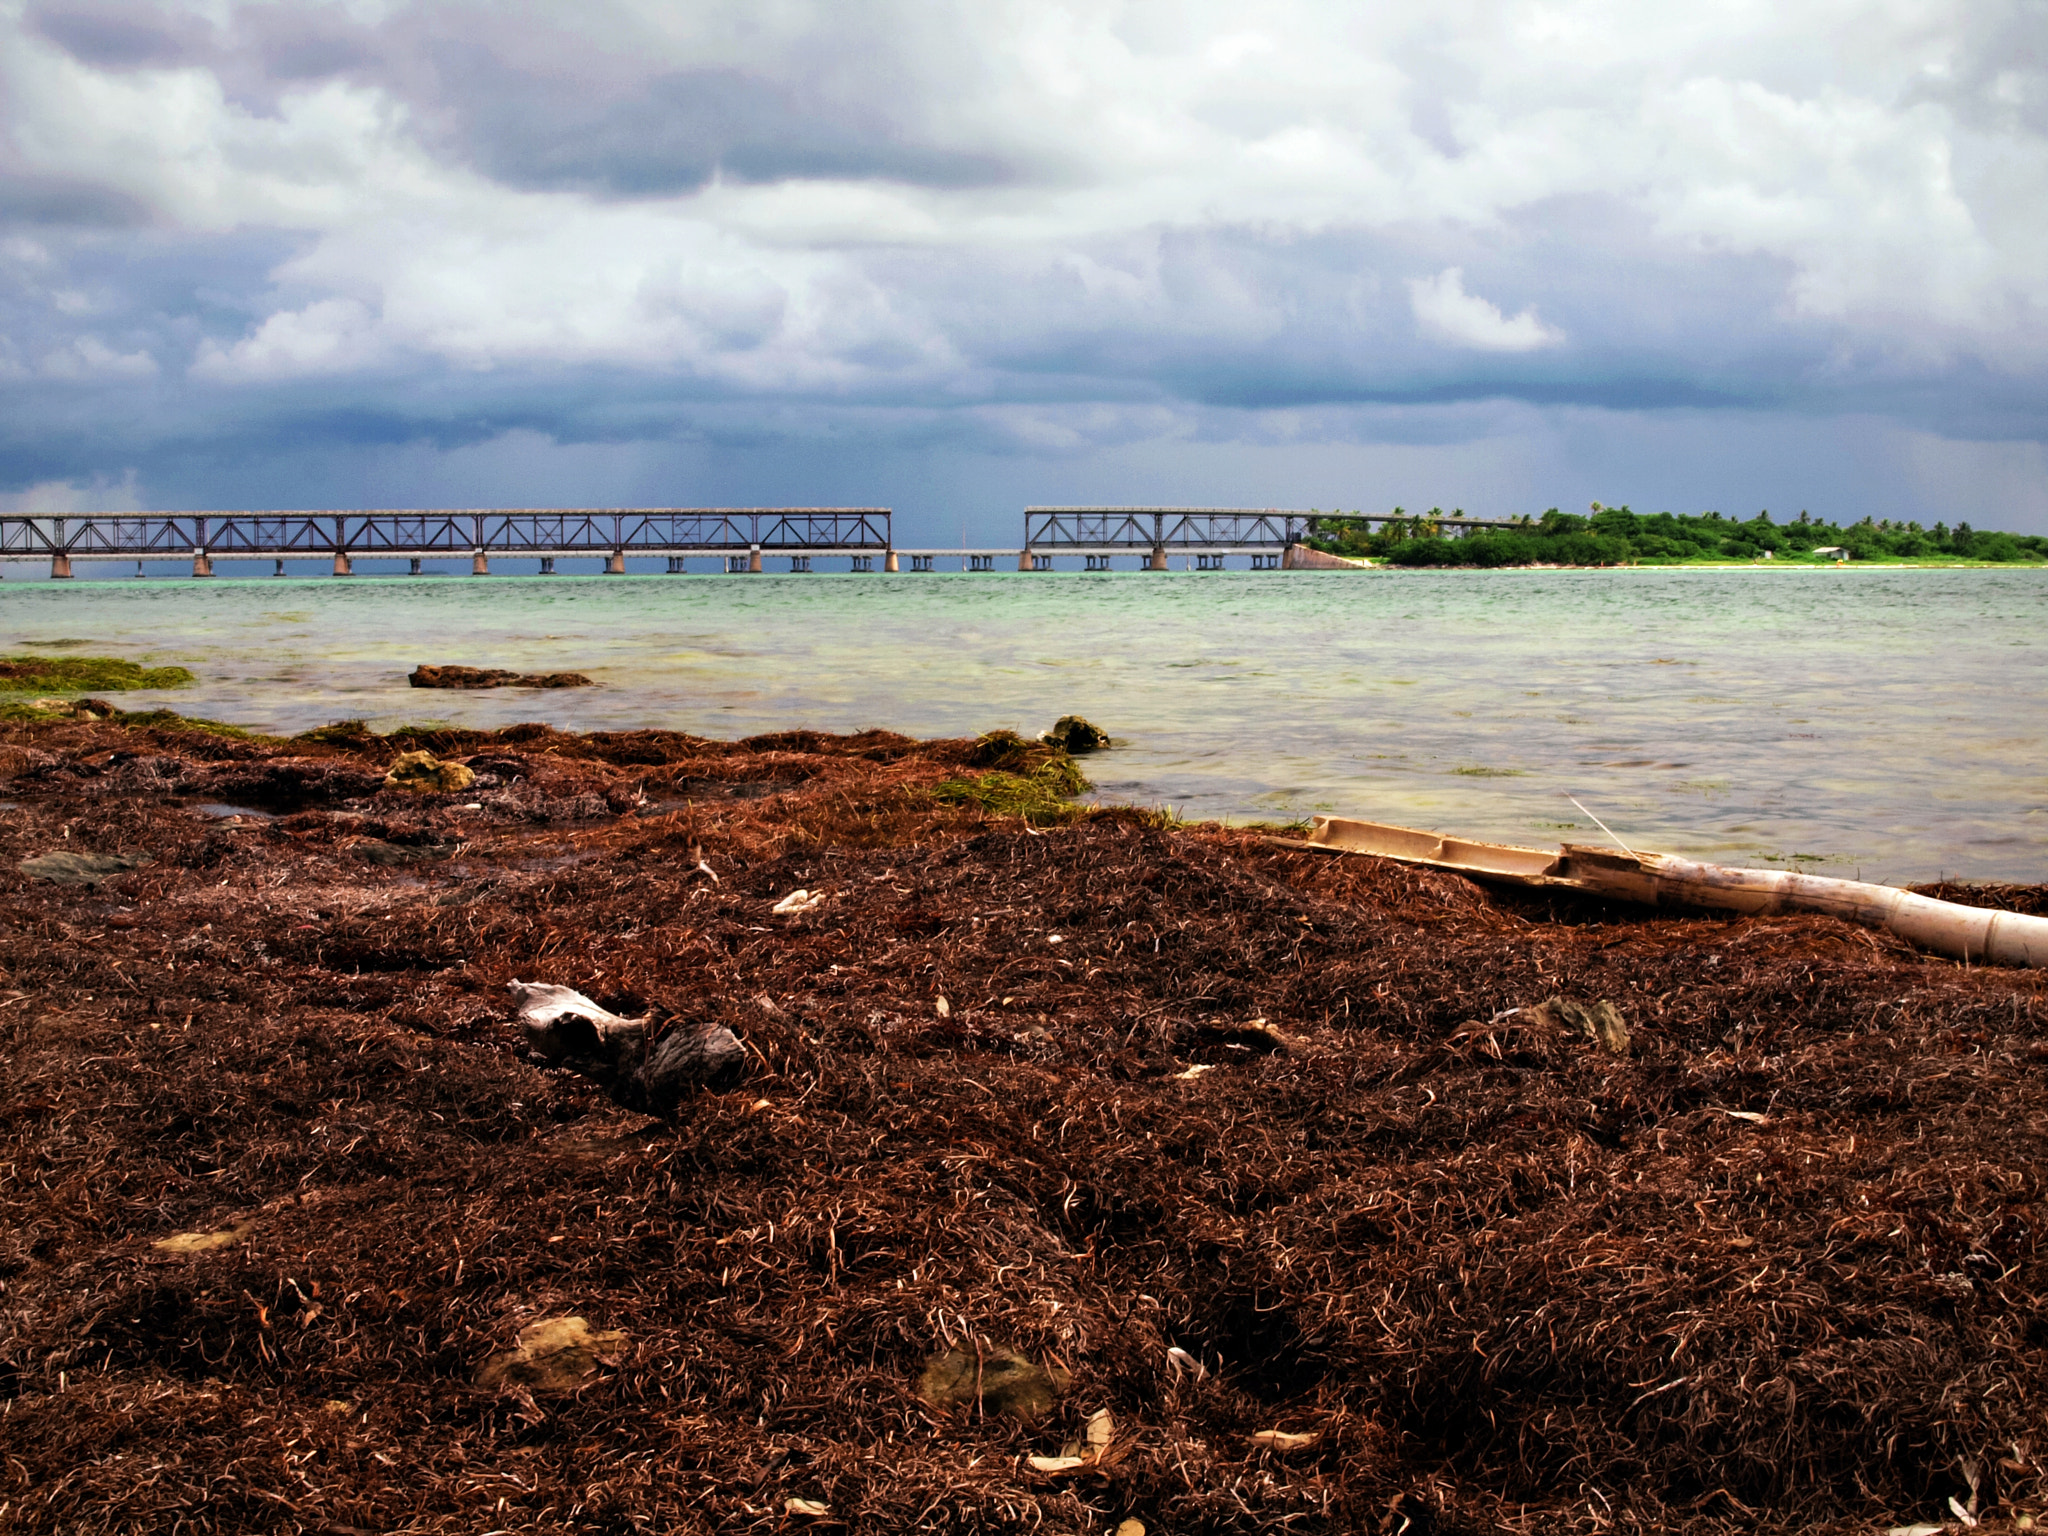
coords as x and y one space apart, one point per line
615 563
342 567
60 567
202 563
1024 560
1158 560
889 563
754 561
479 564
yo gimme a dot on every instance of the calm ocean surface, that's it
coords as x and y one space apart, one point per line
1892 723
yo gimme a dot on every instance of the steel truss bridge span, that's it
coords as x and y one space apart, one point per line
1116 530
533 531
1226 530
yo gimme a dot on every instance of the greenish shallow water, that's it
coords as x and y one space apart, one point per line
1883 722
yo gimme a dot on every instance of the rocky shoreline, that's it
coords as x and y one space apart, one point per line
1077 1170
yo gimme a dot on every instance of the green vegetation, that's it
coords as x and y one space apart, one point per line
84 674
1617 536
171 720
1043 796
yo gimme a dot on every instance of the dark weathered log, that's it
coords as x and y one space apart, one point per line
569 1030
688 1059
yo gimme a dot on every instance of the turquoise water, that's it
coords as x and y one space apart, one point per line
1883 722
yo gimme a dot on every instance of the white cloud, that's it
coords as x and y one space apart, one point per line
87 357
329 336
1445 310
55 498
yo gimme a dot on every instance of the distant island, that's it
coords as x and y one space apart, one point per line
1617 536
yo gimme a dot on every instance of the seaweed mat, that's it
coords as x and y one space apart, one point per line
1782 1264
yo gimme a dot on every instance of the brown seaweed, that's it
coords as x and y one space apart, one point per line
1408 1252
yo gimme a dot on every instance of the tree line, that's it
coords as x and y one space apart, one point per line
1617 536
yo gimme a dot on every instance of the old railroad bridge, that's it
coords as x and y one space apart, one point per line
742 538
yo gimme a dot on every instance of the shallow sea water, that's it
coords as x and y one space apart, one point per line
1891 724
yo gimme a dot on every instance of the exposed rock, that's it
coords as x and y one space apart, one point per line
1003 1381
557 1354
483 677
425 773
74 709
1073 734
81 868
390 855
1601 1021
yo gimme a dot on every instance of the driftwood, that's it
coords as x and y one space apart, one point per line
1976 934
569 1030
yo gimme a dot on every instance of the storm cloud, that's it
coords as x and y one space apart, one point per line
1503 253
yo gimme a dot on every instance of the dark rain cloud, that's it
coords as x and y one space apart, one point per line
671 133
1031 339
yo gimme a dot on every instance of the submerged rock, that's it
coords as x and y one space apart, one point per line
482 677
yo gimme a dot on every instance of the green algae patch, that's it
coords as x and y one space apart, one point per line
1043 796
171 720
84 674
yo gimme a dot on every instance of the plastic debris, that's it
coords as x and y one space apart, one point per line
202 1242
1055 1465
1282 1440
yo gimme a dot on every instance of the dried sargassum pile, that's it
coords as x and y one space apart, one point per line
1086 1173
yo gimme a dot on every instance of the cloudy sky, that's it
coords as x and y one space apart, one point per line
1496 254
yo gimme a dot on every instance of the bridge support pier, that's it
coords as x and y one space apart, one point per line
754 561
60 567
342 565
280 569
1024 560
615 563
889 563
415 565
547 565
202 563
1158 560
479 564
